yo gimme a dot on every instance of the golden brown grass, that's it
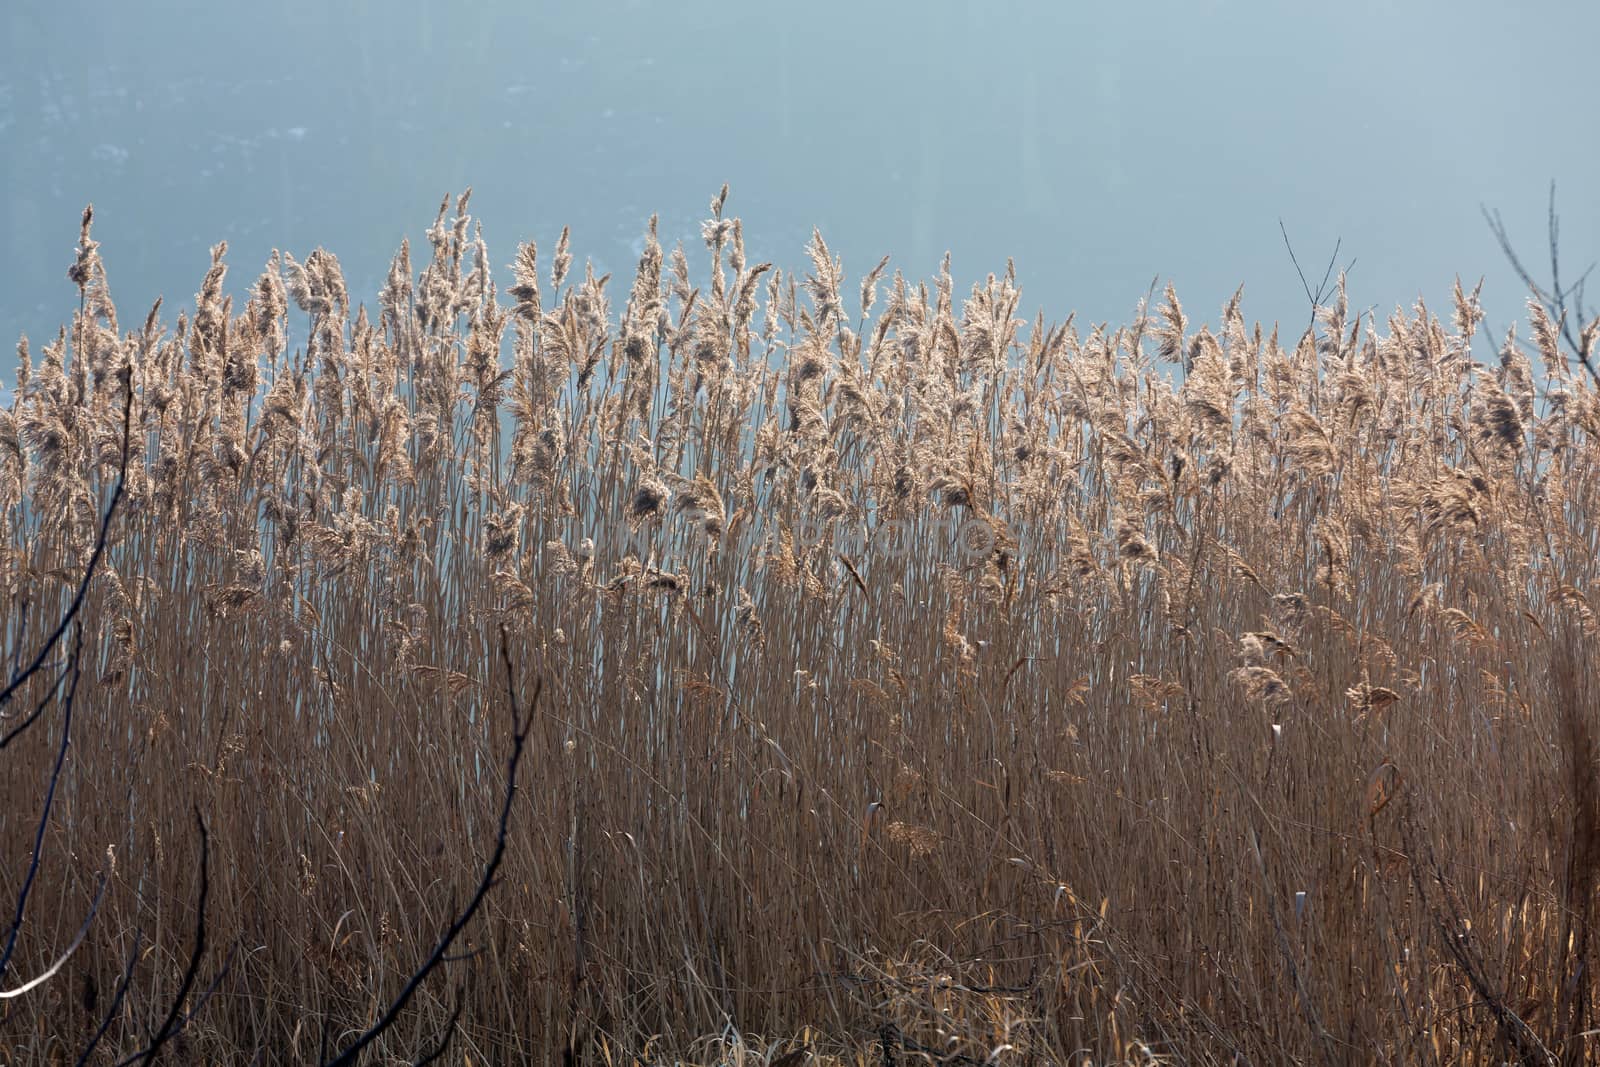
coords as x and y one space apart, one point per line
919 685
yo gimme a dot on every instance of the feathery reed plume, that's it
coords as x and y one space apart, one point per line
1051 610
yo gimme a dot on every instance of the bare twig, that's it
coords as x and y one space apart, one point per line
50 642
519 737
44 816
1457 937
171 1025
1563 304
1314 298
50 971
444 1041
116 1003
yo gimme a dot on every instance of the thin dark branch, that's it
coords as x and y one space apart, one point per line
44 702
170 1025
1555 285
49 800
73 669
1296 261
1577 286
1322 286
449 1033
206 994
1554 223
116 1002
77 939
1555 299
1454 931
519 738
1502 237
54 639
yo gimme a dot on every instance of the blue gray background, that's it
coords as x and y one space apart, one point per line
1098 145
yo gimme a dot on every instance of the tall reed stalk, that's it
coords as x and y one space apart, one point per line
917 681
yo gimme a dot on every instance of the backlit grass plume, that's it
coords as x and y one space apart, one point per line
919 680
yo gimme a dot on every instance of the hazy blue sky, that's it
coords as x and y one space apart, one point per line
1099 145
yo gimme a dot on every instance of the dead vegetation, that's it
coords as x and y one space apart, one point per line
919 684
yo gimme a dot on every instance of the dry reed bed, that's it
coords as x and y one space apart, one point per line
914 678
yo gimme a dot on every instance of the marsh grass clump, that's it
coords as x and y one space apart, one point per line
920 686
